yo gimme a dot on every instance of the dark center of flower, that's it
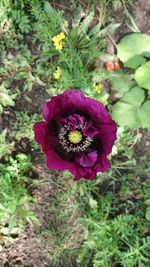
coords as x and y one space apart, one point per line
73 140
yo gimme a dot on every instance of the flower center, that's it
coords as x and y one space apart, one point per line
73 141
75 137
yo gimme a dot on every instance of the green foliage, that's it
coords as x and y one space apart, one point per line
24 126
110 238
49 21
82 45
130 52
5 147
118 3
129 109
133 108
121 83
15 202
142 75
105 222
6 97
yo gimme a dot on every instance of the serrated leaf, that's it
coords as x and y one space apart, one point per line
142 75
132 45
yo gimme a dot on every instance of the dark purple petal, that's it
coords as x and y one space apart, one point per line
86 173
55 162
87 159
43 136
103 164
90 130
40 132
73 120
51 108
86 115
107 135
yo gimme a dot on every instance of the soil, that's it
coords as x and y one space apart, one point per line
27 249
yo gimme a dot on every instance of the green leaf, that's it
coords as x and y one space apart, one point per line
135 62
125 114
147 215
93 203
1 109
147 202
132 45
103 98
121 83
6 100
94 30
144 114
109 29
77 16
142 75
86 22
128 111
134 97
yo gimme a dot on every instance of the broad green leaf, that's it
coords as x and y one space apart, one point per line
132 45
142 75
129 111
146 54
134 97
147 202
121 83
144 114
135 62
125 114
103 98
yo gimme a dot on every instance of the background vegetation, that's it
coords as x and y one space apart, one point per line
101 223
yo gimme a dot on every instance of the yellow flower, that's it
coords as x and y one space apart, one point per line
57 73
57 40
98 88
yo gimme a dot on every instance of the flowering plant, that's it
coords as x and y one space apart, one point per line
57 40
77 134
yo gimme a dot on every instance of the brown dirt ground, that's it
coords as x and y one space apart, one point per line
27 250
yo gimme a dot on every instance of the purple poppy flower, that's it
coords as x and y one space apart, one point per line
77 134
